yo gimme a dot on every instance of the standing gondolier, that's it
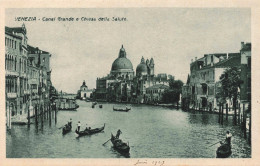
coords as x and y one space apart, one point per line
79 126
118 133
70 122
228 137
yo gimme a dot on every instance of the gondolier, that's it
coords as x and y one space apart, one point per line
79 126
228 137
118 133
70 122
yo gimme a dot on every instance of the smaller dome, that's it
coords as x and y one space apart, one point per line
141 68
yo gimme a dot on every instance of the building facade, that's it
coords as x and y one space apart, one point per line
16 79
84 92
245 88
123 85
200 90
27 79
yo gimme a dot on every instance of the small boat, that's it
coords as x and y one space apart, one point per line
121 109
90 132
66 129
69 109
119 145
100 106
224 150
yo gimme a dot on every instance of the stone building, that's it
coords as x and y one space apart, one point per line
41 60
17 92
204 74
27 73
122 85
84 92
154 93
245 88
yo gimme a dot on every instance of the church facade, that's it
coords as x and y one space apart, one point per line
84 92
122 84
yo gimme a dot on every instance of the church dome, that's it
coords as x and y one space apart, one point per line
141 68
122 62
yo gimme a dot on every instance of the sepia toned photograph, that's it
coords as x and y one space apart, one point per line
128 83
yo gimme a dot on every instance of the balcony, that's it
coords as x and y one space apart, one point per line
35 91
33 81
27 92
23 75
11 95
11 73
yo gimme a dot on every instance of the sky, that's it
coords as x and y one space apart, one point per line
85 50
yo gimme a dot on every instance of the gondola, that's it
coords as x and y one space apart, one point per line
119 145
89 132
69 109
224 150
66 129
121 109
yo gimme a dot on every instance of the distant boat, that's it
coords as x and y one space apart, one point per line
70 108
121 109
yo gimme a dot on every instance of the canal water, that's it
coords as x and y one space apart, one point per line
152 132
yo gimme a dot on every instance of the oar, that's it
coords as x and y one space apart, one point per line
214 143
60 127
106 141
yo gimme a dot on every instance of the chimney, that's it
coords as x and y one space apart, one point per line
227 55
242 45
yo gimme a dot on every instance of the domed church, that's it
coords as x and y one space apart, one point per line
122 67
145 68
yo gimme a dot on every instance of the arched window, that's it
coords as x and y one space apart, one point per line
12 63
15 61
20 65
24 66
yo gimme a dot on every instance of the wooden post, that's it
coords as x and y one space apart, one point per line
55 113
239 113
227 111
244 120
36 115
50 109
219 110
29 119
222 113
250 118
249 134
47 112
235 112
42 116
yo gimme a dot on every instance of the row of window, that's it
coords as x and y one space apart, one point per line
11 43
11 85
13 64
154 91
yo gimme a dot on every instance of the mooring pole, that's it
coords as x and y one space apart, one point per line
28 117
227 111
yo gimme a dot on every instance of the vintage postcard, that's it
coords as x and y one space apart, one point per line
148 85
